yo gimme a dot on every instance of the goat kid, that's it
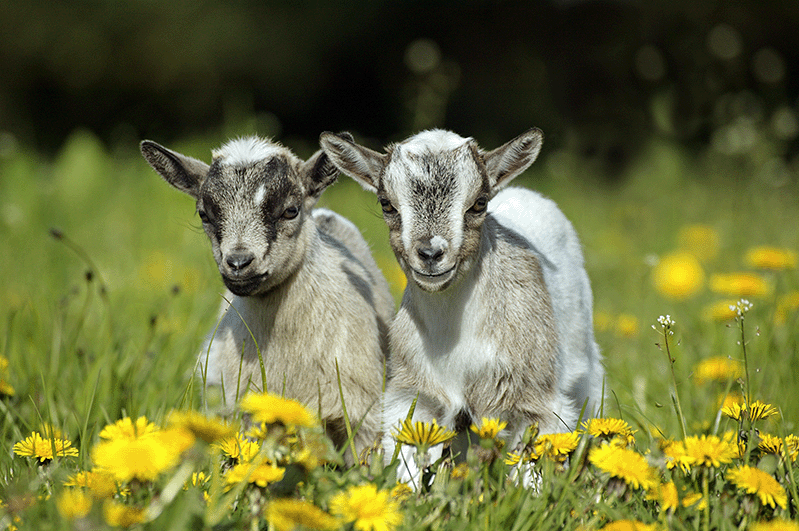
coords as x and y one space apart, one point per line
496 319
304 285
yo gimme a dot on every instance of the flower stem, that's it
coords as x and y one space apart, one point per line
747 382
675 397
706 495
748 425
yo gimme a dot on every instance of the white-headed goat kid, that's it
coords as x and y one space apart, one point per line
496 319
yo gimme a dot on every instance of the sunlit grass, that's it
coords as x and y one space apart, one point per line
101 328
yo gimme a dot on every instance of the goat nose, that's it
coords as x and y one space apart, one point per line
430 254
239 260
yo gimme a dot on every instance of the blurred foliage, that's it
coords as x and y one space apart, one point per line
600 77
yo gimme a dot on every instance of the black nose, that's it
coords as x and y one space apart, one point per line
430 254
239 260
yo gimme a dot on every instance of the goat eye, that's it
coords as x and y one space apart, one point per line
479 205
291 212
203 216
386 205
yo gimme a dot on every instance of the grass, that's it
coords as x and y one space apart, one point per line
104 322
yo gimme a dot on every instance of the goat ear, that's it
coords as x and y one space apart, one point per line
184 173
360 163
318 173
509 160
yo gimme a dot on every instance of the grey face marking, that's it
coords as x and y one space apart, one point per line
277 189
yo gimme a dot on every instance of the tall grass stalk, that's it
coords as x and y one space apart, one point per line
347 424
666 323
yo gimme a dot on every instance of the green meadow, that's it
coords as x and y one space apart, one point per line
109 287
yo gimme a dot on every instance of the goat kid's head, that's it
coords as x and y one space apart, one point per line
434 189
253 200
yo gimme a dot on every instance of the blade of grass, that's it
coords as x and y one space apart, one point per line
346 417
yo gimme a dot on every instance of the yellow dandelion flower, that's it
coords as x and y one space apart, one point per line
126 429
555 446
729 399
403 491
315 449
209 429
197 479
177 439
43 449
666 495
460 472
261 474
773 258
740 285
630 525
489 428
606 427
120 515
100 484
6 389
775 525
792 443
711 450
143 458
695 500
73 504
625 464
786 304
369 508
772 444
513 458
702 241
717 369
287 514
627 325
422 434
309 458
759 411
239 448
273 409
720 311
735 410
755 481
260 431
678 276
676 456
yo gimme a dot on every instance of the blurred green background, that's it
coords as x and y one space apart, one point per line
659 116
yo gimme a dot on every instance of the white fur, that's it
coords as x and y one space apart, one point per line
433 140
246 150
260 195
439 242
541 221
